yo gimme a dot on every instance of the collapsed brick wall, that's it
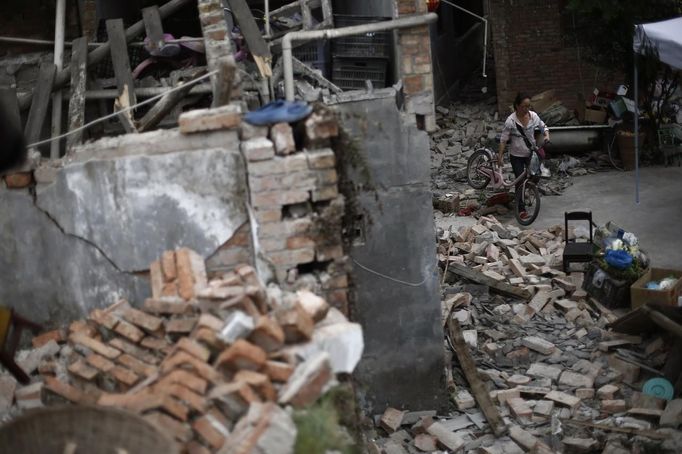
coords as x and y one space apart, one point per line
533 54
293 192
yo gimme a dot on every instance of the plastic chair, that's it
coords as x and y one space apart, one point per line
575 251
11 327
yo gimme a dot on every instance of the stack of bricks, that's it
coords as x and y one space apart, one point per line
199 364
293 190
216 37
416 66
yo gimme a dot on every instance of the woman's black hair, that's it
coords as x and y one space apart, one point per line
520 96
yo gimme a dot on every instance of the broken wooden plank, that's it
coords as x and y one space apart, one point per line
257 46
500 287
306 14
478 388
41 99
624 430
227 69
121 105
153 27
662 321
162 108
79 77
120 60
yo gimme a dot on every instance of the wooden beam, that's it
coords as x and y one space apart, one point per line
480 278
306 14
102 52
79 78
120 60
478 388
153 26
624 430
257 45
227 68
41 99
162 108
662 321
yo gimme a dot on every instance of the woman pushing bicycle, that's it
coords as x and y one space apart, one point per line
520 127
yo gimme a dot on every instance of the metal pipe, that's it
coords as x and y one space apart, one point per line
148 92
60 25
267 19
307 35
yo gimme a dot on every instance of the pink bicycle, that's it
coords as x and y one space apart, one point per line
483 169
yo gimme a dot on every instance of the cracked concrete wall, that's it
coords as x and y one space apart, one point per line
88 238
397 299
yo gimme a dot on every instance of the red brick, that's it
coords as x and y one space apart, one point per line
137 366
81 369
325 193
225 117
259 382
278 371
56 335
194 400
292 257
191 271
282 137
156 279
413 84
100 362
94 345
194 447
242 355
67 391
134 350
181 325
279 198
184 378
293 163
19 180
168 266
129 331
142 319
125 376
174 306
194 348
211 431
297 324
183 358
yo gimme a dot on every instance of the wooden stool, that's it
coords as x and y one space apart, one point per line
11 327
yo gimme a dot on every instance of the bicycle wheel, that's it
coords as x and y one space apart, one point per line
531 200
477 161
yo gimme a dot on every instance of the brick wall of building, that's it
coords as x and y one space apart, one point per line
533 54
414 54
295 202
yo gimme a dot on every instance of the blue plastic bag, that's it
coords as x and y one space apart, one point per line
618 259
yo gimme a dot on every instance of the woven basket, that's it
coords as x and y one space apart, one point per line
83 429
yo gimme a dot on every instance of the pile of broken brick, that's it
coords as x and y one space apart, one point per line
213 363
535 366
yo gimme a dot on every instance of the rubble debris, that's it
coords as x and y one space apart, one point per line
212 362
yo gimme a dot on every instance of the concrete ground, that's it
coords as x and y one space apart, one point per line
656 220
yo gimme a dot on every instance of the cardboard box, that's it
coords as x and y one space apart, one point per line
639 294
595 116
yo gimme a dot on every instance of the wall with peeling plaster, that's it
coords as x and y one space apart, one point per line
87 238
397 299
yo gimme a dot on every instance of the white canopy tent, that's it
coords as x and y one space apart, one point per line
666 38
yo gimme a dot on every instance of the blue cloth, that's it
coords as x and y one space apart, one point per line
618 259
279 112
